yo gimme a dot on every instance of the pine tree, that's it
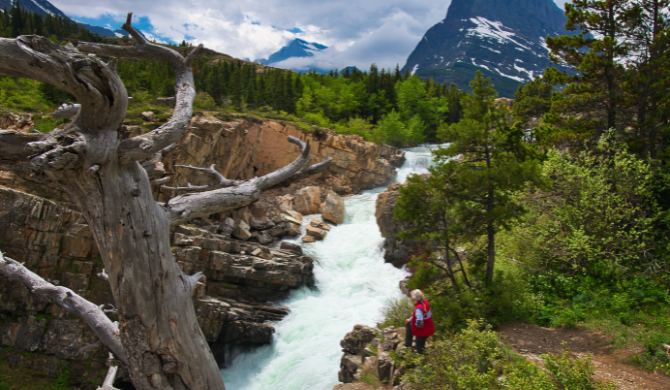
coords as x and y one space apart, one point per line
596 52
495 161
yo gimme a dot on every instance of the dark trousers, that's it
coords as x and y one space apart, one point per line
420 341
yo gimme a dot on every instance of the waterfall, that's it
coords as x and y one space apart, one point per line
353 285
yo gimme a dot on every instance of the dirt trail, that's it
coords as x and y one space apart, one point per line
531 341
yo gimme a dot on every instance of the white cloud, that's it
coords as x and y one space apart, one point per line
357 32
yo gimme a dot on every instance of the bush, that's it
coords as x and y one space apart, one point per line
203 101
477 359
396 312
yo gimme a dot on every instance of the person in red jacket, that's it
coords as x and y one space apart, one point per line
420 325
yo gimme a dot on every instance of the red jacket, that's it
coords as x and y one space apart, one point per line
428 329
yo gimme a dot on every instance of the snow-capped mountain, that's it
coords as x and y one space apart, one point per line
296 48
44 7
505 39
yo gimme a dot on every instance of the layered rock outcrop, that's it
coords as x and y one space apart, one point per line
252 147
55 242
368 349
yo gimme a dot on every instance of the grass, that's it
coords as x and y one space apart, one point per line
46 123
24 379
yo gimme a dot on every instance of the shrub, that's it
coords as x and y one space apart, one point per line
396 312
477 359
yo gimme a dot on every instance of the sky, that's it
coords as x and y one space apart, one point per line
358 33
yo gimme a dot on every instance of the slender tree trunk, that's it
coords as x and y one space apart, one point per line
490 233
490 228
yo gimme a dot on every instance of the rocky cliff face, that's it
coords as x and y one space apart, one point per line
241 274
396 249
253 147
55 242
505 40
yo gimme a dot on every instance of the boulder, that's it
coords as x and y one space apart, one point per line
284 203
385 367
242 231
307 200
148 116
291 219
349 368
319 224
317 233
226 227
265 238
333 208
291 246
293 230
308 239
356 341
261 215
295 215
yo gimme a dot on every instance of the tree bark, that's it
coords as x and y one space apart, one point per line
103 175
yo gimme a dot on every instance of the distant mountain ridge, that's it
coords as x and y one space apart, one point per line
295 48
44 7
505 39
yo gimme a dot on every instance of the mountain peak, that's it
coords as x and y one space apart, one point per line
295 48
504 39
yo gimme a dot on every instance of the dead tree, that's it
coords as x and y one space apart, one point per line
104 175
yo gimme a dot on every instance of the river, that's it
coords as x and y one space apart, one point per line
353 284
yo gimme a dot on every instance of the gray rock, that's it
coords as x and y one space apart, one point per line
242 231
385 366
290 246
149 116
349 367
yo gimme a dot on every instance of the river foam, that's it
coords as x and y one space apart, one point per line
353 285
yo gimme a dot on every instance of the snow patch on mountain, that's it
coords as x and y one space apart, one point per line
494 30
42 7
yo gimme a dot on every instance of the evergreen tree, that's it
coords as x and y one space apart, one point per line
495 161
596 52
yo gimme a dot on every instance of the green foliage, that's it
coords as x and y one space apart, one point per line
494 162
572 373
600 215
476 359
18 21
22 95
62 381
203 101
619 49
45 124
509 297
395 313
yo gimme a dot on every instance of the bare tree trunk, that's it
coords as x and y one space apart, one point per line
161 338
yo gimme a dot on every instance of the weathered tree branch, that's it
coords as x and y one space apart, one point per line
66 111
14 153
102 326
183 208
108 383
98 87
146 145
222 181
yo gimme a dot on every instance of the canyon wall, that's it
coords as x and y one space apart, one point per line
51 237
